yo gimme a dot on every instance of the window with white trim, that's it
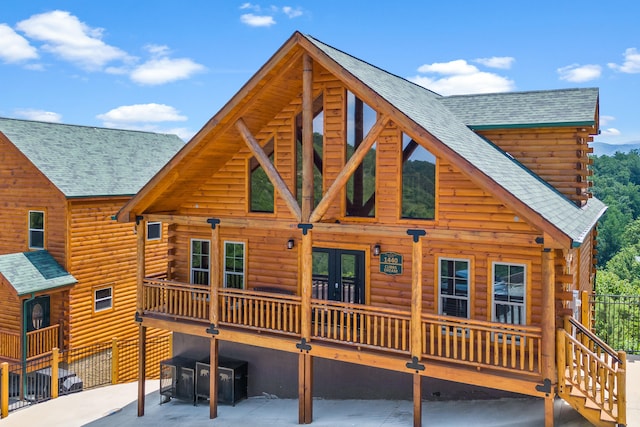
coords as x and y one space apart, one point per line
509 290
36 230
103 299
154 230
200 252
234 265
454 287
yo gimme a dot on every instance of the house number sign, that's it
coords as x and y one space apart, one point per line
390 263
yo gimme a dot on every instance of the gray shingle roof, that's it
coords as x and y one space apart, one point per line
427 110
31 272
83 161
565 107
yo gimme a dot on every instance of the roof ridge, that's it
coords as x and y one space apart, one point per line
521 92
85 126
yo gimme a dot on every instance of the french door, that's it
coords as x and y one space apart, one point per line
338 275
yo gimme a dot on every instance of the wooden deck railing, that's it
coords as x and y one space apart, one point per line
361 325
43 341
260 310
591 366
178 300
482 344
10 347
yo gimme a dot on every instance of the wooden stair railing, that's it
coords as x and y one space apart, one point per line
592 376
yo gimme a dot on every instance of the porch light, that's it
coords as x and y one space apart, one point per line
376 250
290 243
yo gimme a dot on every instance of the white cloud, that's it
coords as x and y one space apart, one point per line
164 70
605 120
501 62
66 36
291 12
257 20
610 132
459 77
14 47
631 63
580 73
39 115
140 113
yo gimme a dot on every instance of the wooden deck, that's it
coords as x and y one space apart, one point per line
378 330
39 342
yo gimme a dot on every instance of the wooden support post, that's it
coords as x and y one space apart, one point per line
55 377
622 388
548 331
416 298
213 378
585 310
561 351
215 275
142 367
417 400
115 361
305 388
4 390
307 137
141 233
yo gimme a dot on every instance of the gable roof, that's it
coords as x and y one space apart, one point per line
413 107
32 272
428 110
83 161
564 107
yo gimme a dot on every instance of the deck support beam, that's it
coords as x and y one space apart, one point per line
305 388
141 234
548 331
417 400
213 378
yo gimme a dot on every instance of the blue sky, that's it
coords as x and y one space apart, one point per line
168 66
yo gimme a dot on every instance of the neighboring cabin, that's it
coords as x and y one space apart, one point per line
332 212
67 269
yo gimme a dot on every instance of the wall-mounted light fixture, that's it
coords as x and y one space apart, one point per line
376 249
290 243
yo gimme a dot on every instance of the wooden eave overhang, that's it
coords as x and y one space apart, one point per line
182 175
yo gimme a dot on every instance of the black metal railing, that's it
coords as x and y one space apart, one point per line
616 320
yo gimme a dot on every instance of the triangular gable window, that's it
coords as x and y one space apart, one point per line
260 187
418 180
318 145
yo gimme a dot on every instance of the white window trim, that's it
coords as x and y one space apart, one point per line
96 300
192 269
244 263
469 287
160 230
36 229
524 296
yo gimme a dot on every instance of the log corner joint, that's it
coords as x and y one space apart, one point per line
212 330
137 317
545 387
303 346
415 364
213 222
416 234
305 229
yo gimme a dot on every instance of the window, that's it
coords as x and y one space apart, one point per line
103 299
361 187
454 287
154 230
234 263
509 291
418 180
261 190
200 251
318 146
36 230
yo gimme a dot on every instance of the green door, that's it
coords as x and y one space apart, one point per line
338 275
37 313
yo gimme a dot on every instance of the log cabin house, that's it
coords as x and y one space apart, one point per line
67 269
340 226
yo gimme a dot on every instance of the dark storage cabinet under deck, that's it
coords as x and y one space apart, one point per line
187 379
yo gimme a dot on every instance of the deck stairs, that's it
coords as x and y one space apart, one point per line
592 376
